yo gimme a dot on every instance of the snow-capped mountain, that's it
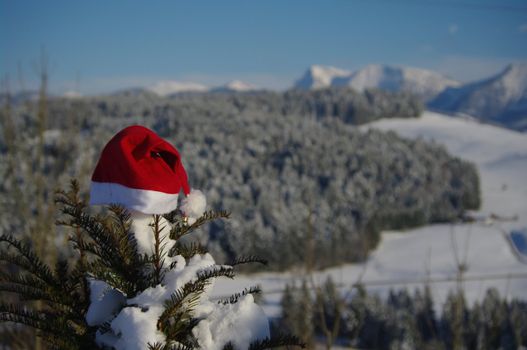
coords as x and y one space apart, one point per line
424 83
500 99
235 86
170 87
319 77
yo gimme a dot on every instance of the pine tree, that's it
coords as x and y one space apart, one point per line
289 308
305 315
328 306
73 313
297 312
454 320
425 315
493 315
518 318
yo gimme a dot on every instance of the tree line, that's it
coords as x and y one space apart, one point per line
402 320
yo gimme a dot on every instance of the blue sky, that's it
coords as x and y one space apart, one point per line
101 46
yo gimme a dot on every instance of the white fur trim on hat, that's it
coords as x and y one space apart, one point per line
144 201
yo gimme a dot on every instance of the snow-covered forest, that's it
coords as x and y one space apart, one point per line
291 167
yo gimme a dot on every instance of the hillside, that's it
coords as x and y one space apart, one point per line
403 256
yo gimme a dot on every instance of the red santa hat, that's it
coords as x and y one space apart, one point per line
141 171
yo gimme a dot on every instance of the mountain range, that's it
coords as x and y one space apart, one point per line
168 88
500 99
424 83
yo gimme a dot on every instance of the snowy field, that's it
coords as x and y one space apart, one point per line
407 259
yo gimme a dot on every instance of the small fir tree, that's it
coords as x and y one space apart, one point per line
89 304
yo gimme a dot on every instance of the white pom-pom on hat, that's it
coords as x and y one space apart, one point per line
193 206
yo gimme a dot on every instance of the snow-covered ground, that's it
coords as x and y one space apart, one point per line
406 259
500 154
